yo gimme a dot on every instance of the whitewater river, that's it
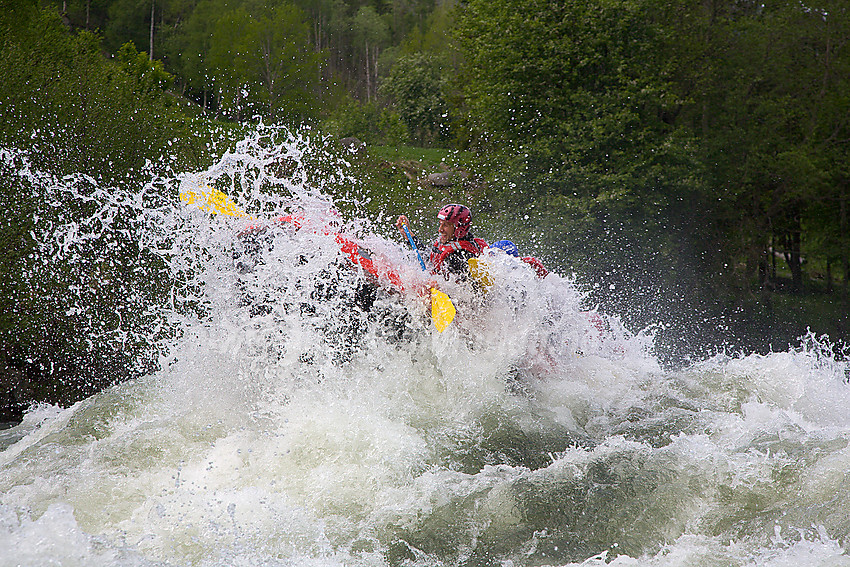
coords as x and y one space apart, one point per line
286 427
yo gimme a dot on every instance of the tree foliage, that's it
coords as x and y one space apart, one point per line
83 112
246 59
415 89
65 109
684 144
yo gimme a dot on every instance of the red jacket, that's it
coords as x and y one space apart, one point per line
464 249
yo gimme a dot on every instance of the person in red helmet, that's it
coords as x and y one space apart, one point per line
454 244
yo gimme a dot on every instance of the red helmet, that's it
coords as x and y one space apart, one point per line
458 215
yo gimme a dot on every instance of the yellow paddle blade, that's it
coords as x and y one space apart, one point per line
480 272
442 309
212 200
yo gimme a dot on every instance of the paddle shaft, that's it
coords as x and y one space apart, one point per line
413 245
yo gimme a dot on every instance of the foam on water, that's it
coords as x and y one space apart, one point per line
286 427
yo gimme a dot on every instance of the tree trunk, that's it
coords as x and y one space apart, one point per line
368 79
773 257
845 261
796 263
150 51
828 274
375 71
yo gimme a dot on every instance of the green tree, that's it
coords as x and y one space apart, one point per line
228 62
686 138
88 15
132 21
415 89
93 106
767 84
368 122
149 74
187 48
286 65
245 59
574 87
65 109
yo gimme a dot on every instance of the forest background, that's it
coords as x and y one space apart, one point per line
687 160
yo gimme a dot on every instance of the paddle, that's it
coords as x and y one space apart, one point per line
213 201
442 310
413 245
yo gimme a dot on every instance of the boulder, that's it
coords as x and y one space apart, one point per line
445 178
352 144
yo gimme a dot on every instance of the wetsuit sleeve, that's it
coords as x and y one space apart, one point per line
542 272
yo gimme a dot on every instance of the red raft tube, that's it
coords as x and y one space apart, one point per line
380 273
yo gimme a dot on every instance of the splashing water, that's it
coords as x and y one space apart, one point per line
301 417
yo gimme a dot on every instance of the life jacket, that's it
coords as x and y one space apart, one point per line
542 272
468 248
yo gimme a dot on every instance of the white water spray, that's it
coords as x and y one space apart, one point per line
288 424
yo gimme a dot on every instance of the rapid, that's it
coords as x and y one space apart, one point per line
287 423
